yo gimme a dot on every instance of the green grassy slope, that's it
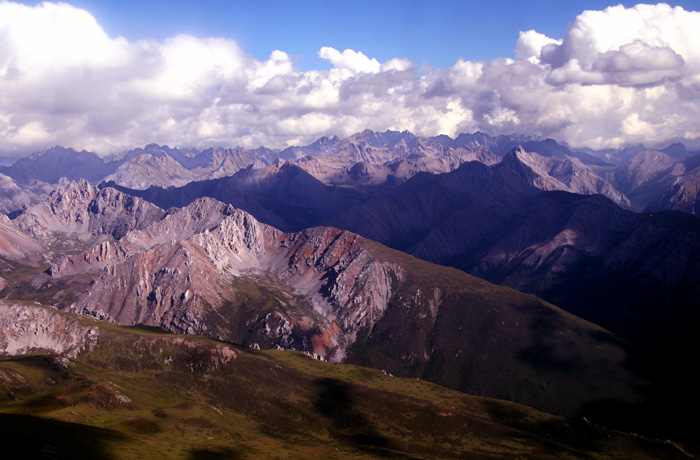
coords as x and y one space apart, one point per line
497 342
138 393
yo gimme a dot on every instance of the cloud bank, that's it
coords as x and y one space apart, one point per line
618 76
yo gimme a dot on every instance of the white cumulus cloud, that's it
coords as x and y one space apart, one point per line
618 75
349 59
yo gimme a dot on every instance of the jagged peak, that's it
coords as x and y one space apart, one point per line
201 216
517 153
523 162
203 204
325 140
114 195
81 186
60 151
257 164
56 148
647 155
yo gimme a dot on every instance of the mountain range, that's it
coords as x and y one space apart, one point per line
378 250
629 272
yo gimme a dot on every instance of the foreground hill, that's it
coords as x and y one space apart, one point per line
73 387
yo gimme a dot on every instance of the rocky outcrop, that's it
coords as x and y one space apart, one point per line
570 175
146 170
16 245
32 328
177 273
83 211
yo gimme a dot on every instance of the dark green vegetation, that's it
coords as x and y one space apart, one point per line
138 393
490 340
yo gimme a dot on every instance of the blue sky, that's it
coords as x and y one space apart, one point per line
109 76
427 32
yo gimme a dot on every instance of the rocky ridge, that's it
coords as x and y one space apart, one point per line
83 211
368 160
177 269
570 175
14 196
211 269
32 328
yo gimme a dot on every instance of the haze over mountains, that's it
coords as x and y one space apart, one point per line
310 248
371 158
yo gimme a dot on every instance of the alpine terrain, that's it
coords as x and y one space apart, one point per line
382 295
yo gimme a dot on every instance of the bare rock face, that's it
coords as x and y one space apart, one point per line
570 175
29 328
647 176
169 286
226 162
682 195
82 211
115 213
180 273
14 196
15 244
146 170
644 167
64 210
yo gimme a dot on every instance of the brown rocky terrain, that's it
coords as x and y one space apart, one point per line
211 269
495 222
79 211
